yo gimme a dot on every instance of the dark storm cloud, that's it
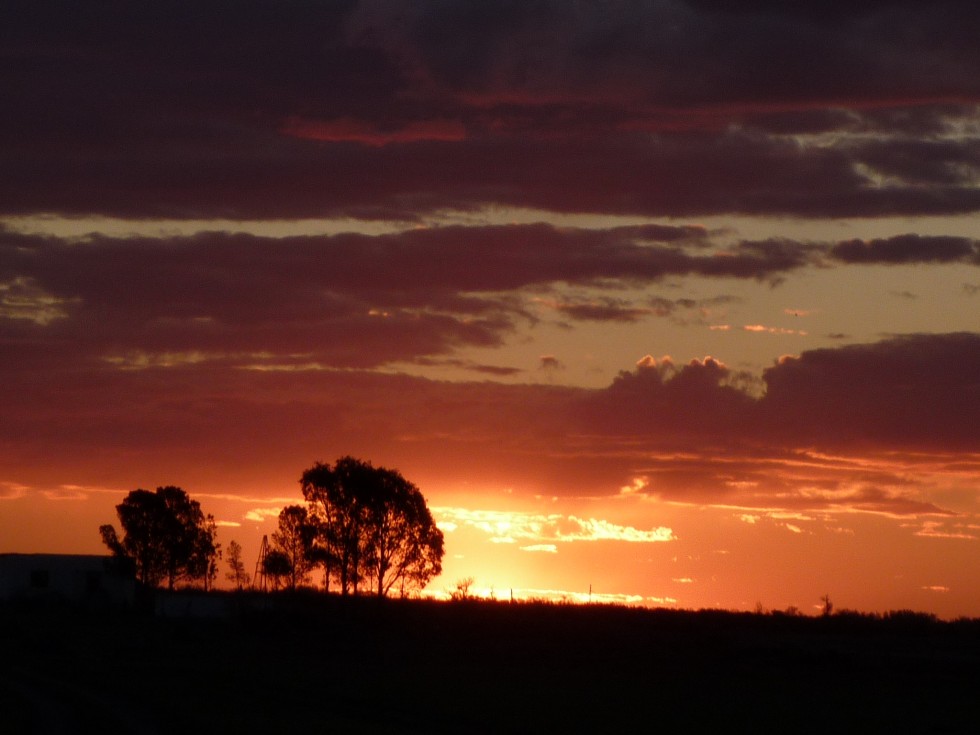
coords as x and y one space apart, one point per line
914 391
908 249
838 429
353 300
611 309
601 310
682 52
550 362
811 440
393 110
346 300
495 370
663 399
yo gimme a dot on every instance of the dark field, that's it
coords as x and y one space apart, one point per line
318 665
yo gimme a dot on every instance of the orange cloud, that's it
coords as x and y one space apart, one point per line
547 529
12 490
258 515
772 330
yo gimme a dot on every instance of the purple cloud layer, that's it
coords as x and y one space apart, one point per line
382 109
362 301
126 352
358 301
864 427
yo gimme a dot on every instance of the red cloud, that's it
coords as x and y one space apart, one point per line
575 108
917 391
909 248
826 436
349 130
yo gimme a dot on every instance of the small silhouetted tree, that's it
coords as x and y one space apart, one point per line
294 540
828 606
207 554
276 567
371 524
462 590
166 537
237 574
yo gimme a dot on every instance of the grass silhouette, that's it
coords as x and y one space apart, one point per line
322 663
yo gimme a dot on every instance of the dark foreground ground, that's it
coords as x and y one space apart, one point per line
319 665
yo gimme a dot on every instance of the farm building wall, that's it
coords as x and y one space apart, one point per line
86 579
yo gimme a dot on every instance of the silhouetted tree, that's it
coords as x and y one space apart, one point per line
237 576
371 523
276 567
462 590
209 553
167 537
828 606
403 544
338 513
294 540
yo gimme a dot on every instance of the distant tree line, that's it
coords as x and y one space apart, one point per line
366 527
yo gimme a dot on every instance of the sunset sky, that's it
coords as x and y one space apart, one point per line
677 300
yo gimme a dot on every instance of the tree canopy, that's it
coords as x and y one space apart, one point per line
277 567
294 541
237 574
167 537
370 525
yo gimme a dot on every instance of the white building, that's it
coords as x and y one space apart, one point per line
82 579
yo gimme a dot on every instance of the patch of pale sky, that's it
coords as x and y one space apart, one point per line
724 227
81 226
507 526
814 308
21 298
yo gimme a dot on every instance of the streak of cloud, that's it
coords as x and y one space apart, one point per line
548 529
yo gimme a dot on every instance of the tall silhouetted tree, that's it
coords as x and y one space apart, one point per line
294 540
167 537
403 544
237 574
338 513
208 553
371 524
828 606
